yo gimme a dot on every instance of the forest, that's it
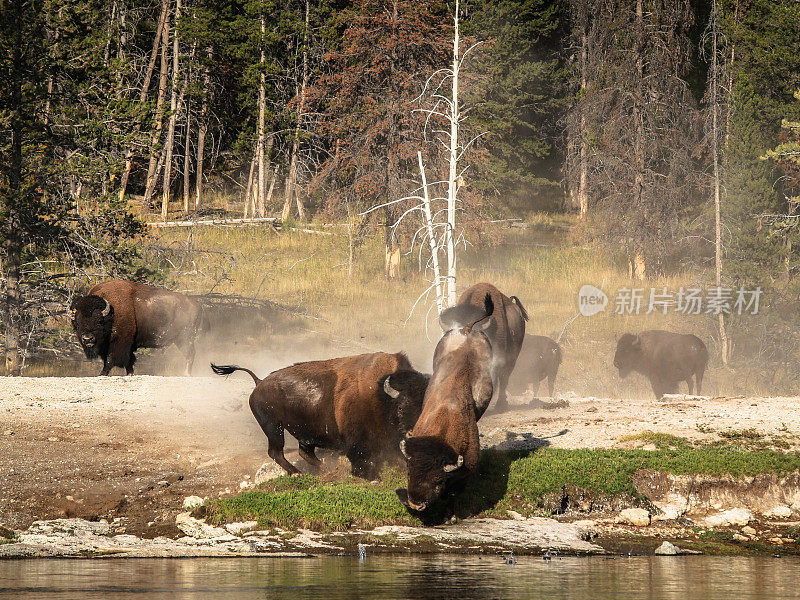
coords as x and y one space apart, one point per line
667 130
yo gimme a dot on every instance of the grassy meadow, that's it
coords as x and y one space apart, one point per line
544 264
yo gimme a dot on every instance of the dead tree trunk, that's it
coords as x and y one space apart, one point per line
715 141
250 185
13 224
262 109
126 171
583 166
291 177
638 267
201 133
152 176
173 104
186 160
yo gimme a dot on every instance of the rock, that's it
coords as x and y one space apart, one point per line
192 502
638 517
240 528
269 470
728 518
245 485
776 540
778 512
197 528
740 538
515 515
667 549
747 530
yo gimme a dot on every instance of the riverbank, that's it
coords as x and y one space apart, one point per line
130 450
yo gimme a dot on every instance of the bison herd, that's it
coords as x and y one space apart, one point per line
376 408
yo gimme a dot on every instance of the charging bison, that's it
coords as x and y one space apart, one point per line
117 317
666 358
443 447
506 330
361 405
540 357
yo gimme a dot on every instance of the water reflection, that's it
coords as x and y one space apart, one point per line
420 578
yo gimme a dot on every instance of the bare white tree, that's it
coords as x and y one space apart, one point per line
438 213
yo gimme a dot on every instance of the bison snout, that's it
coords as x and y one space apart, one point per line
406 500
88 340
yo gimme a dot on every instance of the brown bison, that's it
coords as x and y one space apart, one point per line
540 357
443 447
360 405
506 331
666 358
117 317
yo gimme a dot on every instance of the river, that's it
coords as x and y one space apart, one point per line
396 577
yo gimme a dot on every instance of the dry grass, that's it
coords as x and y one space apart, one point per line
542 265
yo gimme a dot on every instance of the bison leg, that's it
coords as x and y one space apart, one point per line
551 383
189 352
699 376
307 454
690 383
360 465
275 438
533 386
658 388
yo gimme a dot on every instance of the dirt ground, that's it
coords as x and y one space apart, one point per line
132 448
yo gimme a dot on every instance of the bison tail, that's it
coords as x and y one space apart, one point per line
521 308
228 369
557 352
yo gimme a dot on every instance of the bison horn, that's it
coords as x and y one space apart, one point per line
107 309
458 465
403 448
390 391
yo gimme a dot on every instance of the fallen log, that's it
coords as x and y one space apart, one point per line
274 221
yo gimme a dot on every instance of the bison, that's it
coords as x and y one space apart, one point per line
666 358
117 317
443 447
506 331
540 357
360 405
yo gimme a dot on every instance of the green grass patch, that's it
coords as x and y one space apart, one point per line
503 481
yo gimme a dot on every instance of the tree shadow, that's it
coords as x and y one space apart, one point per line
487 486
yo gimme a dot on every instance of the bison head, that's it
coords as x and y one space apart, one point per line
406 389
92 317
431 463
628 355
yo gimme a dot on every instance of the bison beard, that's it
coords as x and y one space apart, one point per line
92 320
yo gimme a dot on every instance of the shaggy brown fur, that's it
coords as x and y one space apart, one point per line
340 404
666 358
443 447
506 331
540 357
140 316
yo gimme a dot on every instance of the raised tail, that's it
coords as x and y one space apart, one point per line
488 307
521 308
228 369
557 353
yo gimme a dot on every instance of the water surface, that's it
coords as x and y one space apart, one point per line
396 577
